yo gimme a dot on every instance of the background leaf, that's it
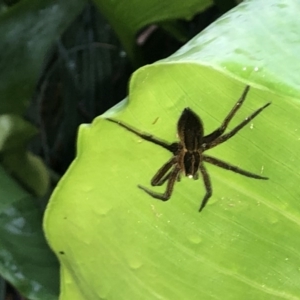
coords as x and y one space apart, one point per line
25 259
122 244
27 31
252 23
26 167
127 18
2 289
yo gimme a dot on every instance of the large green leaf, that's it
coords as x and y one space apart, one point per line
123 244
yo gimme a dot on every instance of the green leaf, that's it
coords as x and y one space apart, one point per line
2 289
25 259
14 132
27 31
29 170
123 244
128 17
26 167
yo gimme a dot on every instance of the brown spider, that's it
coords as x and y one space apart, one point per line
188 154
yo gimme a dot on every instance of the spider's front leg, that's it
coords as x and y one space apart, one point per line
207 185
159 179
163 174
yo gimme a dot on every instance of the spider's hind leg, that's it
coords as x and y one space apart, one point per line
148 137
219 131
234 131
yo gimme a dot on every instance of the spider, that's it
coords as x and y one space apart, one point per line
188 152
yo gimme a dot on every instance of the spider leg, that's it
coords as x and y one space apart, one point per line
162 174
148 137
207 185
235 130
219 131
164 179
167 194
222 164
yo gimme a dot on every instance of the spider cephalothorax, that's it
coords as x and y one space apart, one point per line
188 152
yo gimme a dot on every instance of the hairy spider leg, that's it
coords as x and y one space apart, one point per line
230 134
167 194
147 137
164 179
219 131
207 184
163 174
222 164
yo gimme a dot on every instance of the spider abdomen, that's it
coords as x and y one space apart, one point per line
190 130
